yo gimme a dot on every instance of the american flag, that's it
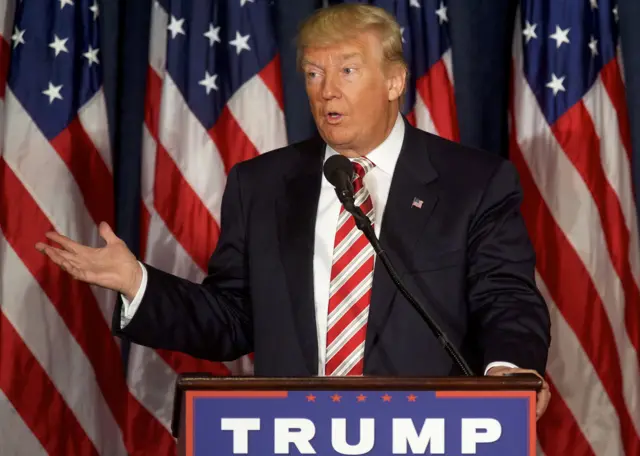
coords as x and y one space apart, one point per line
429 101
62 383
57 161
570 141
213 99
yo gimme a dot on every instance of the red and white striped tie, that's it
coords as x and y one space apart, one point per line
350 287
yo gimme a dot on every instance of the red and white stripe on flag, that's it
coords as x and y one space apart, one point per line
570 142
434 110
62 383
190 141
430 101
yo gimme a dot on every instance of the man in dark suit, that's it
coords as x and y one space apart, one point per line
294 281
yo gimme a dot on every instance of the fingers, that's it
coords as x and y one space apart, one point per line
50 251
60 257
544 396
499 370
71 246
107 233
68 244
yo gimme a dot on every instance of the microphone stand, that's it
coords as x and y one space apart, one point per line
364 224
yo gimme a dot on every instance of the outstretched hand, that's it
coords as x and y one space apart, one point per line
112 266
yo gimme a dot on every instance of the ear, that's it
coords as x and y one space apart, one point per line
396 80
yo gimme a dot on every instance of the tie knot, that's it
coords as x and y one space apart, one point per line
362 166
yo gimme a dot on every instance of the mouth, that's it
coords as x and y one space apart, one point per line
333 117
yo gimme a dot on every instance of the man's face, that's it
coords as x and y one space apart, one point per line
350 93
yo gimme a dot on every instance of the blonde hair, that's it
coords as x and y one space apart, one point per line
337 23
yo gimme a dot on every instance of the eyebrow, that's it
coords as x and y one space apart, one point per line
343 58
352 55
308 62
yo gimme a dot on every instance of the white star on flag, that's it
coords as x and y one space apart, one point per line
209 82
556 84
561 36
92 55
59 45
53 92
442 13
18 37
240 43
95 10
175 26
414 3
594 4
593 45
529 31
65 2
242 2
213 34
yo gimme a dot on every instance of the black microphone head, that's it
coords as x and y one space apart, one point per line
337 168
339 172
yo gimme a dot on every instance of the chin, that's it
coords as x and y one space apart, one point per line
338 139
336 134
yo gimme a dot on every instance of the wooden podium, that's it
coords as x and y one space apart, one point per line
355 415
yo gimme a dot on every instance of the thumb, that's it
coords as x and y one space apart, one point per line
107 233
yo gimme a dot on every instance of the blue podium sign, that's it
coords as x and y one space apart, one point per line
351 422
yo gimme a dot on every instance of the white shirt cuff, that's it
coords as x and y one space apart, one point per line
129 308
498 363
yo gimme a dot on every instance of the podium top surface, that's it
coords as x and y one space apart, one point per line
518 382
205 382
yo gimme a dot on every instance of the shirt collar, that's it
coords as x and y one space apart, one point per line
385 156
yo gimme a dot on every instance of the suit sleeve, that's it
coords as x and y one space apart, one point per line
212 320
507 311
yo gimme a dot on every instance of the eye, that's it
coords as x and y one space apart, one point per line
348 70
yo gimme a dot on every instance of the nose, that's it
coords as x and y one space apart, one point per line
330 88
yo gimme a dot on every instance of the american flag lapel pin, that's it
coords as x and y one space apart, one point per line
417 203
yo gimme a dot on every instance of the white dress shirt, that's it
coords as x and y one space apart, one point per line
378 182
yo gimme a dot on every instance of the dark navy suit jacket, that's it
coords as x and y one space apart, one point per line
466 247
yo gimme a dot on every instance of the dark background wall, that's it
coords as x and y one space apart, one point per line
630 37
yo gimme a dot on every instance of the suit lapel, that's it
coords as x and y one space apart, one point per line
297 211
414 178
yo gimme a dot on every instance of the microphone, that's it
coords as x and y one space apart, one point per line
339 171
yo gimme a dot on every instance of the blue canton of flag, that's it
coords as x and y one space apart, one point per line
56 44
233 40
